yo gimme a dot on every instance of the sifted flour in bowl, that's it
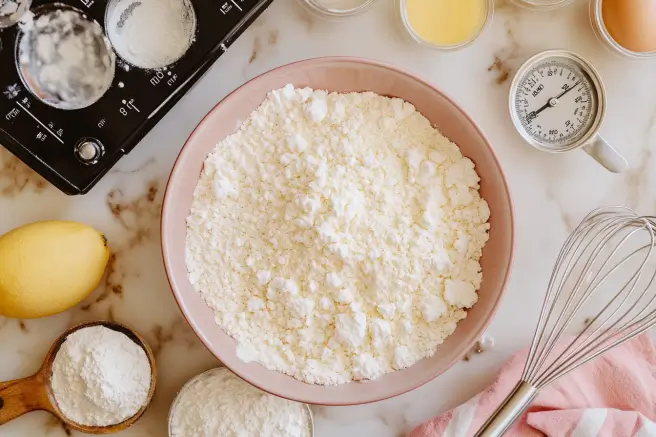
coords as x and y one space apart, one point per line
336 237
219 404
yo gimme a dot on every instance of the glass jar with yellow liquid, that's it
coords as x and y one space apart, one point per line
446 24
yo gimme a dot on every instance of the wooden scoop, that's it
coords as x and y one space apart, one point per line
21 396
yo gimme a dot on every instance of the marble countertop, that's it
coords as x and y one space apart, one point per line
551 194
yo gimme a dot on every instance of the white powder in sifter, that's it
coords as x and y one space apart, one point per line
65 59
151 33
100 377
219 404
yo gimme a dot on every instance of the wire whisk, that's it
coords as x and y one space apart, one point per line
604 274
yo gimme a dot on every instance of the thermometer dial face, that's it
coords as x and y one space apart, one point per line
555 101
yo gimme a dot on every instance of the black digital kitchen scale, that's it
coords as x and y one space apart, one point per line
73 149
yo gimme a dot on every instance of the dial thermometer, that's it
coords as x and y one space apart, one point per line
558 102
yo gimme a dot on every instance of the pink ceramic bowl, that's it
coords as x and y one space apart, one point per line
343 75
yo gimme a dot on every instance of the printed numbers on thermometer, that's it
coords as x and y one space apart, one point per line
128 106
555 103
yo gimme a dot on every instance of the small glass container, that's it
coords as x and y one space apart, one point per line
602 34
199 379
55 74
317 8
542 5
489 13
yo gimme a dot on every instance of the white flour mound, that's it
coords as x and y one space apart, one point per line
219 404
151 33
336 237
100 377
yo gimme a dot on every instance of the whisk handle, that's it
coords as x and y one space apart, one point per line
509 411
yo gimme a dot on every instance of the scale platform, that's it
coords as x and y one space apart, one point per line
73 149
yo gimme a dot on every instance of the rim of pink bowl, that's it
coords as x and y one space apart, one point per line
337 59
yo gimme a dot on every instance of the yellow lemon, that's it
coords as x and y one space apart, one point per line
49 267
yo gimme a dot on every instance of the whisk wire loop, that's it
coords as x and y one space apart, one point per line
575 240
577 348
605 271
590 257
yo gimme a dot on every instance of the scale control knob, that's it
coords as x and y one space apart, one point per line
89 151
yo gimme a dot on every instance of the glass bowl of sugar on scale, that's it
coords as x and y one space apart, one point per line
63 57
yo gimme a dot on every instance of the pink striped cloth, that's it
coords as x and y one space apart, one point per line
614 395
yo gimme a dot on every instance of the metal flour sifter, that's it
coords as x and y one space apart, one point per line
604 274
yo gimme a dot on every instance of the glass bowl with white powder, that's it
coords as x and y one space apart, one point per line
337 8
63 57
218 403
151 34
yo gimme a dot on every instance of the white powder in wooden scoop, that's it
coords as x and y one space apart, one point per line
100 377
